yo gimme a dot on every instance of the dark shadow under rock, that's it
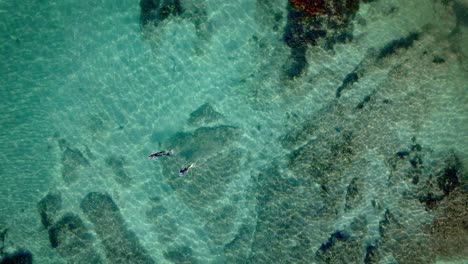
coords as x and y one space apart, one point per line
204 115
18 257
117 164
48 208
121 245
72 240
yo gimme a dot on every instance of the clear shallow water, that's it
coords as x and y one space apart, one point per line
286 172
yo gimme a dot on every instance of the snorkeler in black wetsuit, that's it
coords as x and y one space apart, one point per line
185 170
160 154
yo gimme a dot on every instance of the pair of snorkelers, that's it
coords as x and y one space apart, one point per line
163 153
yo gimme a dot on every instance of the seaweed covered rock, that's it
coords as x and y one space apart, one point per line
121 245
314 22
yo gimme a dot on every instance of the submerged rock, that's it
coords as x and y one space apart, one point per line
121 245
204 115
72 240
49 208
72 160
117 163
215 159
154 12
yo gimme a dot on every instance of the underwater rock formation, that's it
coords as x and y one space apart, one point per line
49 208
72 160
210 149
67 234
237 250
217 160
204 115
121 245
154 12
73 241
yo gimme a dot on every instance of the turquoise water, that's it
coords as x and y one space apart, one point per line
285 170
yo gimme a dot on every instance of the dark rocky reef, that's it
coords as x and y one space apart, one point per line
121 245
204 115
18 257
316 23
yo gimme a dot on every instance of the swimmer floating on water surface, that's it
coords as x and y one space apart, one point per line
186 169
159 154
